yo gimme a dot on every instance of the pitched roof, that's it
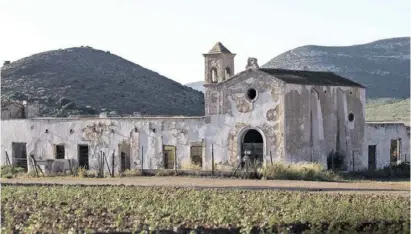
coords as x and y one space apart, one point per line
219 48
310 77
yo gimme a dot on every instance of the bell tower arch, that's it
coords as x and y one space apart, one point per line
219 64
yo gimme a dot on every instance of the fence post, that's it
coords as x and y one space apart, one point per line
353 168
271 157
142 158
212 159
112 165
175 160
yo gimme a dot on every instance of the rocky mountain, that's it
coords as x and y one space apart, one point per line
83 80
382 66
198 85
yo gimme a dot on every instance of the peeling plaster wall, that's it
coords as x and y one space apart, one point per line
104 135
232 114
317 123
381 134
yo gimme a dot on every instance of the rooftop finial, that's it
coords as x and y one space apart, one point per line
252 63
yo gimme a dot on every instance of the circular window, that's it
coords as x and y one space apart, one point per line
251 94
351 117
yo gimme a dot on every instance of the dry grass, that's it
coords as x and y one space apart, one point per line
306 171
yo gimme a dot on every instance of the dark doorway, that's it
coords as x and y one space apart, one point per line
169 152
372 149
125 161
395 151
83 156
253 145
19 154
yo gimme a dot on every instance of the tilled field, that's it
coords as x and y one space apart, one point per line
58 209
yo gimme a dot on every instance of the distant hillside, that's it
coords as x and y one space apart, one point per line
388 110
382 66
198 85
84 80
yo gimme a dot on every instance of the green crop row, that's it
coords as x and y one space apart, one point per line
59 209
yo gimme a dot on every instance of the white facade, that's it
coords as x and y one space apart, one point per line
259 112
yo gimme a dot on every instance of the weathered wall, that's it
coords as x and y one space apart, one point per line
316 123
381 134
145 135
232 114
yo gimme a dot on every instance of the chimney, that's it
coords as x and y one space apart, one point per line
252 63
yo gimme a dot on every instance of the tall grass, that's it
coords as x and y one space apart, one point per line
307 171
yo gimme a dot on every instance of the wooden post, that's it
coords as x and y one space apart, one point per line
353 161
8 159
271 157
212 159
35 164
175 160
108 165
112 165
142 162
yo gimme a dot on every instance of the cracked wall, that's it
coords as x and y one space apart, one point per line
320 124
232 113
146 137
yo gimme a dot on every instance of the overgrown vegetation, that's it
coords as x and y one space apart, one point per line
310 171
11 171
275 171
59 209
397 171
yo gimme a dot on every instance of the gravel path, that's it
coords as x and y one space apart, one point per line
402 188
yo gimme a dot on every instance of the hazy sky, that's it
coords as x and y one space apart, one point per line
169 36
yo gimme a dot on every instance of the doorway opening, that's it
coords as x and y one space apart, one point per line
19 154
252 145
372 164
169 155
124 151
83 155
395 151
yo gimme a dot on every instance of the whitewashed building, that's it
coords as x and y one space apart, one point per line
269 114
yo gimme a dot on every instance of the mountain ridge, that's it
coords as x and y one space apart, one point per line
83 80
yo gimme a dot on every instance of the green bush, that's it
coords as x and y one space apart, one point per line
11 171
309 171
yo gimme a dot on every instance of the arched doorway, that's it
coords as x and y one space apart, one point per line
252 144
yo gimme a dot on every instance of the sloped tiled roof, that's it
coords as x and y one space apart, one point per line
219 48
310 77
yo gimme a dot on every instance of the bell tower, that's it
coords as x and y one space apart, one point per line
219 64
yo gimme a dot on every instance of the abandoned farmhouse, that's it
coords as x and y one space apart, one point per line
265 114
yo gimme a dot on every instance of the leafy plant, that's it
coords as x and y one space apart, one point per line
61 209
11 171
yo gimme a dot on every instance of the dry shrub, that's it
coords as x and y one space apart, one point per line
188 165
132 172
301 171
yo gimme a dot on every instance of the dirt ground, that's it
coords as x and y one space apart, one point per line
400 188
